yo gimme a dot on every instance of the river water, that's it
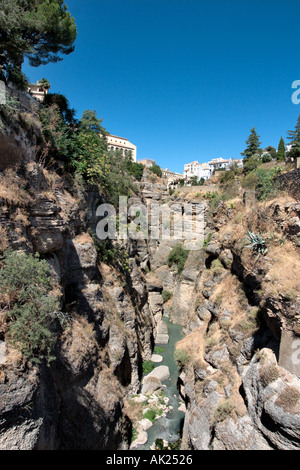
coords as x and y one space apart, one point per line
169 427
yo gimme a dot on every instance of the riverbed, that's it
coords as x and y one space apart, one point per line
169 427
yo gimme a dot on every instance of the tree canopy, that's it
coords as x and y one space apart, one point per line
281 150
62 102
89 122
253 144
41 30
294 137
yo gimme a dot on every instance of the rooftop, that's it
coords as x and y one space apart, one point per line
117 137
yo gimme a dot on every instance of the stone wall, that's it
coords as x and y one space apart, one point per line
27 102
290 182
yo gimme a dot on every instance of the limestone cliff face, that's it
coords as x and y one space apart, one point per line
239 312
77 402
238 377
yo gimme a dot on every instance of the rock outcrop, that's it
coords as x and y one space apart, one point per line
240 368
239 308
77 402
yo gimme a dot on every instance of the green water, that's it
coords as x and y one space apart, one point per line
168 427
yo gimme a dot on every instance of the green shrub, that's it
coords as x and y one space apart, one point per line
266 157
181 357
112 254
92 162
223 411
166 295
25 287
207 240
9 110
267 185
152 414
134 434
159 445
228 175
263 181
120 180
250 181
216 198
178 256
216 266
148 367
251 163
134 169
156 170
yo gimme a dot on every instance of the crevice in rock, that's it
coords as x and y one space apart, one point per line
250 283
273 427
124 370
209 260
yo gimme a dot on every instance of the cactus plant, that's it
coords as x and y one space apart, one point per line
258 243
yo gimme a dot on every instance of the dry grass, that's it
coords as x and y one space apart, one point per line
84 238
193 345
283 274
268 374
53 181
231 294
223 411
78 340
289 400
134 410
4 240
109 390
20 217
12 189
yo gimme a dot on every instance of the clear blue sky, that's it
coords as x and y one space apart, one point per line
183 80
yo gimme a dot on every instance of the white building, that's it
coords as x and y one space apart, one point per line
120 143
222 164
37 91
171 174
219 163
199 170
205 170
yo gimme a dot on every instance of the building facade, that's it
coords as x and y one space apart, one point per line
171 174
223 164
120 143
37 92
206 170
199 170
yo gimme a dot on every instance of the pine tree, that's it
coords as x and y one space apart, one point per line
294 137
281 150
253 145
89 122
41 30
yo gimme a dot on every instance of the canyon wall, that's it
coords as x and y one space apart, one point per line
239 309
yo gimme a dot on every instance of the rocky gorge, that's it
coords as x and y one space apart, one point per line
238 368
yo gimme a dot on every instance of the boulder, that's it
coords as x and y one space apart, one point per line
155 357
150 385
161 373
